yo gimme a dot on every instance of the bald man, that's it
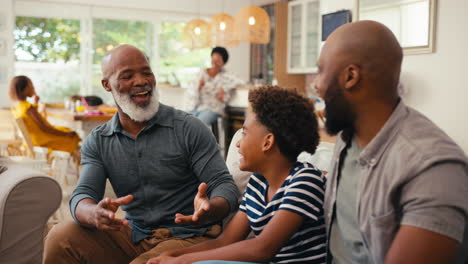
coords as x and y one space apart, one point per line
397 191
164 166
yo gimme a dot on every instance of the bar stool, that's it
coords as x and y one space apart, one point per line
219 130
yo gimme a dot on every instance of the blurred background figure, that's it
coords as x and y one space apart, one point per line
208 99
42 133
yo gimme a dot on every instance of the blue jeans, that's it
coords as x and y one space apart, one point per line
222 262
206 116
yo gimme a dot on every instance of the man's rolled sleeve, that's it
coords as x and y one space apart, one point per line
436 200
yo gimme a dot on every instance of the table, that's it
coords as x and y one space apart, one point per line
80 122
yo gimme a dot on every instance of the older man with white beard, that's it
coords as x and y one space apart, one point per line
163 164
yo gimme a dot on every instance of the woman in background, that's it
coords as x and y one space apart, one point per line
214 88
42 133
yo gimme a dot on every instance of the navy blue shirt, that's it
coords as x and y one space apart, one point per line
162 168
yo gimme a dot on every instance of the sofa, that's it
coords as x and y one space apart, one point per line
27 200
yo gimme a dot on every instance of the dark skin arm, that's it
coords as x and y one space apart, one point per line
206 210
228 246
34 114
102 215
237 230
416 245
220 95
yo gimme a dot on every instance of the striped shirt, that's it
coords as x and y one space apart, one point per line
302 192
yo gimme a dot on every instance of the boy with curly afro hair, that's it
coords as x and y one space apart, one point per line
289 116
283 202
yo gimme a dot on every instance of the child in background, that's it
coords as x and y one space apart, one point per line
42 133
282 204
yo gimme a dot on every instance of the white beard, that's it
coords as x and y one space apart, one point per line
135 112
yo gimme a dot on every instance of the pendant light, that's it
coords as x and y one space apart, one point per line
197 33
224 30
253 25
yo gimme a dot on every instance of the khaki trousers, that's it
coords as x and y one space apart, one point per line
70 243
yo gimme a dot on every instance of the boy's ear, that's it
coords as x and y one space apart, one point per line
268 142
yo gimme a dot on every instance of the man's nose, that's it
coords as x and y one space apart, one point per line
141 80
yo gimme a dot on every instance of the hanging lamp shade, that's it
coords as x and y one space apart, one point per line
197 34
224 30
253 25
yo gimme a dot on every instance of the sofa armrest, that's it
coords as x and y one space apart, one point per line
27 199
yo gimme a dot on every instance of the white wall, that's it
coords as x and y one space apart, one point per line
6 54
182 10
436 83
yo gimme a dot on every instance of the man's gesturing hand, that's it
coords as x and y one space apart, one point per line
103 215
201 203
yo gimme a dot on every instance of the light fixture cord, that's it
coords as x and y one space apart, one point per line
198 9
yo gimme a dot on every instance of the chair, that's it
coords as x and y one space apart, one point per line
3 149
24 134
322 158
9 139
27 199
218 129
241 178
7 126
41 152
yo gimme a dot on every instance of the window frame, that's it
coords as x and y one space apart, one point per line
86 14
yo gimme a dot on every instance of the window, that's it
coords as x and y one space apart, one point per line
48 51
408 20
178 65
63 55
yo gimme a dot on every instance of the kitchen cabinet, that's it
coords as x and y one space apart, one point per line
303 36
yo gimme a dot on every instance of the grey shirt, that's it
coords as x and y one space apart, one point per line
412 174
346 242
162 168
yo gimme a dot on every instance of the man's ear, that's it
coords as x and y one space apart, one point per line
352 75
105 84
268 142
